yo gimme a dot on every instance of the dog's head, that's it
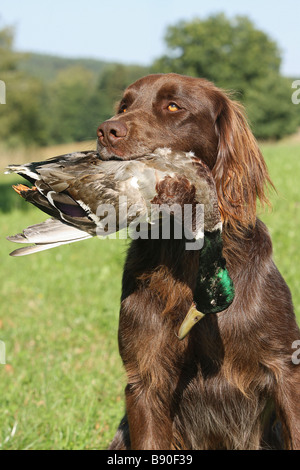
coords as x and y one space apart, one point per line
169 110
191 114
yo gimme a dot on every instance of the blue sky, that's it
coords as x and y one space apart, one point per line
132 31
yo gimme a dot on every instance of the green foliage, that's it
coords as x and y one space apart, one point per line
270 109
227 52
69 106
47 67
20 121
8 60
54 100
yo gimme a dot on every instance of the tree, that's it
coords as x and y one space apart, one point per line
8 59
20 120
229 52
69 106
270 109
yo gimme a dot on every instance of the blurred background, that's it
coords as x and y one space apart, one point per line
63 66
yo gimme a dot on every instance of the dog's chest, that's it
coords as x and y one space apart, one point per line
219 416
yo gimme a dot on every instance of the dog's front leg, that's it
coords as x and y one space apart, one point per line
147 430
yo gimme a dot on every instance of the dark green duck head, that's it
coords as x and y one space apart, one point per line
214 290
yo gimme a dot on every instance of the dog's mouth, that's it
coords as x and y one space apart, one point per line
111 153
114 157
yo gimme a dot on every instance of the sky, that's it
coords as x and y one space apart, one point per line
132 31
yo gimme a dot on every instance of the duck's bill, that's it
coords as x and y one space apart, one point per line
191 318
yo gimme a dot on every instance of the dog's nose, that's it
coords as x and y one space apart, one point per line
109 132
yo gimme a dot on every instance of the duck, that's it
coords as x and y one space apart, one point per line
72 187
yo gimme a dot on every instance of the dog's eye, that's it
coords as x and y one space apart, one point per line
173 107
123 109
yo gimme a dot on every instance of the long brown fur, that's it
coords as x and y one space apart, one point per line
231 383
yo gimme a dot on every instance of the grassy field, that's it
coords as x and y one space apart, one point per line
62 384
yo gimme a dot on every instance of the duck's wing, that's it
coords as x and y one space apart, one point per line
48 234
54 200
77 189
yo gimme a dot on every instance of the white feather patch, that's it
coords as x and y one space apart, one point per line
22 169
134 182
86 208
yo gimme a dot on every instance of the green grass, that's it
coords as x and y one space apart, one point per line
62 385
283 161
63 382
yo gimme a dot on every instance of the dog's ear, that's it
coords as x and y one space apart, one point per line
240 171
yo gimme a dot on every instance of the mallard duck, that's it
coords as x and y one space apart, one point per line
71 188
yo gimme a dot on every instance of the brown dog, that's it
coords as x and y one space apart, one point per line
231 383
